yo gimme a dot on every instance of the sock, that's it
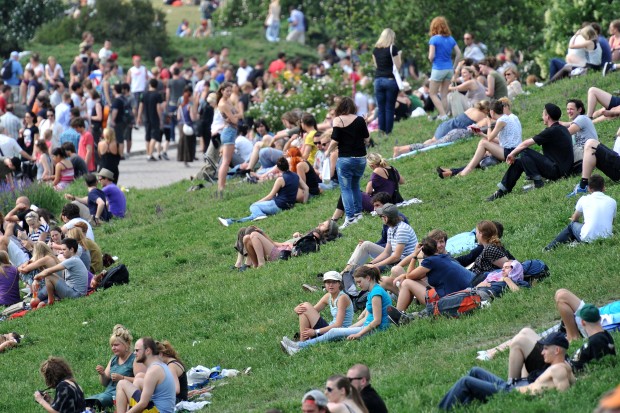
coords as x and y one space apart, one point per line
583 183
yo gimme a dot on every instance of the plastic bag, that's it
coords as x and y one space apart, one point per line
326 170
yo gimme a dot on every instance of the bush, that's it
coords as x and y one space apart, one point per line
43 196
20 20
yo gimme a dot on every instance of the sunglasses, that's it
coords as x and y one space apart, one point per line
317 143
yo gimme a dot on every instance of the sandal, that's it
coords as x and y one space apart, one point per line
441 172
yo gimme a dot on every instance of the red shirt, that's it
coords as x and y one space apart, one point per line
2 104
276 66
85 140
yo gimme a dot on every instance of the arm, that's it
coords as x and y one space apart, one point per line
397 59
376 322
496 130
305 189
277 185
42 400
457 55
151 379
90 153
576 216
48 271
113 116
522 146
393 258
490 85
511 284
104 374
418 273
100 207
82 200
431 53
11 216
140 109
465 86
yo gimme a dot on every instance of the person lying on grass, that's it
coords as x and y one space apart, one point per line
9 340
311 323
367 277
282 196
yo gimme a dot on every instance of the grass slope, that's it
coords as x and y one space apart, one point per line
182 289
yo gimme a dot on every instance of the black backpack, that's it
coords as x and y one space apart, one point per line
7 69
307 243
115 276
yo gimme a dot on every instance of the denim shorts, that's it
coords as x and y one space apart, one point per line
228 135
441 75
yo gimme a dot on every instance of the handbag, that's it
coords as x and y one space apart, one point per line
326 170
188 130
396 73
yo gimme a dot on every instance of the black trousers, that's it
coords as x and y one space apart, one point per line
535 165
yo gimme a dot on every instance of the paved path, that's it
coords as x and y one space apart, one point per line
137 172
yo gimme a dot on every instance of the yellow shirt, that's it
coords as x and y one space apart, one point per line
309 140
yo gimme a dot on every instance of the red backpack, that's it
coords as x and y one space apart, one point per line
452 305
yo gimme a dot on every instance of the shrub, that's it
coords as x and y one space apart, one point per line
20 20
43 196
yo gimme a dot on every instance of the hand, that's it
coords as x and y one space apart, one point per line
398 280
510 159
40 397
296 235
300 309
353 337
20 206
308 333
116 377
100 369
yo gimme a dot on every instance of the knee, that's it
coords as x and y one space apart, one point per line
591 143
561 295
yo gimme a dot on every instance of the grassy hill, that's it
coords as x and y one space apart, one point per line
182 289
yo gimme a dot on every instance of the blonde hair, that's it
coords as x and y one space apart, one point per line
505 102
439 26
122 334
77 234
588 33
40 250
471 70
386 39
109 135
374 159
483 106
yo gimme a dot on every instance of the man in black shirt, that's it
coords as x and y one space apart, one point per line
152 108
359 376
554 163
117 117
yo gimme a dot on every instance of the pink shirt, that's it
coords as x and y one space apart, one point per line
87 139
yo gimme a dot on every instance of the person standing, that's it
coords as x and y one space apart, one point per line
152 107
272 22
350 137
227 136
187 113
441 46
17 73
297 26
137 76
385 56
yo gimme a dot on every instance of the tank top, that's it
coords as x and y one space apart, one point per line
333 308
67 175
93 112
475 96
285 199
501 90
110 161
312 180
182 382
164 395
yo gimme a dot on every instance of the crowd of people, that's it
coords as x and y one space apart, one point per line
81 125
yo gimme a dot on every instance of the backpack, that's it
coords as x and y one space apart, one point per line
115 276
127 111
396 196
307 243
534 270
7 69
452 305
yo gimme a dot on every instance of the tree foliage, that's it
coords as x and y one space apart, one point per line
20 20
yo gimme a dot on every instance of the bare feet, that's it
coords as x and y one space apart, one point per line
443 172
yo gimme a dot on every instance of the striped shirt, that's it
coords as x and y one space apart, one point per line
402 234
34 236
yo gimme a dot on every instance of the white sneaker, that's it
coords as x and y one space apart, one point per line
288 350
357 217
289 342
442 118
347 222
223 221
258 218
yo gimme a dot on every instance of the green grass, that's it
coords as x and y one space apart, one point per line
181 288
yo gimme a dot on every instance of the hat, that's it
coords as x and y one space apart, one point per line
106 173
332 275
553 111
317 396
406 87
555 339
14 54
388 210
589 313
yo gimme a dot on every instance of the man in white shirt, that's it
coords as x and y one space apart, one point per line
11 123
598 210
243 72
105 52
472 50
9 149
137 77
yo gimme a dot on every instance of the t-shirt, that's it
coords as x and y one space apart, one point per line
384 61
557 145
386 301
9 146
484 261
76 274
443 51
276 66
79 166
116 200
351 138
598 345
70 135
69 398
500 89
243 148
151 101
309 140
510 136
586 130
402 234
9 285
242 74
119 104
599 211
176 87
71 223
138 79
26 141
85 140
445 274
93 195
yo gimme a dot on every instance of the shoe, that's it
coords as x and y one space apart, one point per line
159 157
441 172
609 67
442 118
258 218
357 217
539 84
288 350
578 190
151 159
165 156
497 195
251 179
309 288
290 342
225 222
347 222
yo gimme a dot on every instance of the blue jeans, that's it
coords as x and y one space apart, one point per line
273 32
350 171
332 335
479 384
260 209
572 232
386 91
555 65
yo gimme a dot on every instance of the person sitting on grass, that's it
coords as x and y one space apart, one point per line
69 395
121 366
478 115
70 215
311 323
375 318
90 247
306 173
343 396
359 375
598 211
9 281
282 196
95 200
169 355
75 282
115 198
314 401
597 155
504 137
9 340
401 241
42 257
610 105
479 384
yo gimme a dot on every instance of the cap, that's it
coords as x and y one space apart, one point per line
555 339
332 275
589 313
389 210
106 173
315 396
553 111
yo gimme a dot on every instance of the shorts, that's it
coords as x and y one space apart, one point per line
535 360
441 75
320 323
61 290
274 255
127 133
152 132
613 102
607 161
582 330
135 398
228 135
119 131
137 97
